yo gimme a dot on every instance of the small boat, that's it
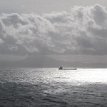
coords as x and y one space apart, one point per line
70 69
61 68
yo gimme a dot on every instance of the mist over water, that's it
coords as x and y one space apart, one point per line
26 87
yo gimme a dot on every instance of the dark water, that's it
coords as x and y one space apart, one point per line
52 88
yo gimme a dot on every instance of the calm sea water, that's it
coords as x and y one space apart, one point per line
50 87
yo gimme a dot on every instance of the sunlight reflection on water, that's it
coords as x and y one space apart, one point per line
48 86
71 76
80 75
87 75
53 74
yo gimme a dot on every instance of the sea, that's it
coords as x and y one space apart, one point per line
50 87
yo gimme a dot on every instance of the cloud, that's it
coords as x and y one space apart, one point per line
83 30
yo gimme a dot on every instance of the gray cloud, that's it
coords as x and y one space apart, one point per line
83 30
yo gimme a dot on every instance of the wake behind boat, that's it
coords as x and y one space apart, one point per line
62 68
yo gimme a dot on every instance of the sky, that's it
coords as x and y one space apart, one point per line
44 6
53 32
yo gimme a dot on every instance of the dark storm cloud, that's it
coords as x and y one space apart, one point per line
83 30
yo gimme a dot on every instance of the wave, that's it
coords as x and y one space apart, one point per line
33 95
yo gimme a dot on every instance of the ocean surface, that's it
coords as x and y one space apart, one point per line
50 87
